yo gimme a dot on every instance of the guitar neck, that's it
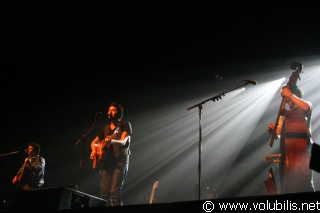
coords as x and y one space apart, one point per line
151 196
155 185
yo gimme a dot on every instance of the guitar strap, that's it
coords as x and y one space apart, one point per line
108 131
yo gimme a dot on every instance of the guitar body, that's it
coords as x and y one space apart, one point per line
99 150
94 156
102 147
21 177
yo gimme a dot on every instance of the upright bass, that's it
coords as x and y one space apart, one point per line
294 157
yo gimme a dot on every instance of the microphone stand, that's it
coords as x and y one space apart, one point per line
80 141
11 153
200 106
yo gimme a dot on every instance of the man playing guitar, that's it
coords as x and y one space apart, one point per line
110 151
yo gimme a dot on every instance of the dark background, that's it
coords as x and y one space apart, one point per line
62 62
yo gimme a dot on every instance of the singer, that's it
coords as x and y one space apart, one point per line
31 173
110 151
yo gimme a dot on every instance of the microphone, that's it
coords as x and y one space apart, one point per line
100 115
254 82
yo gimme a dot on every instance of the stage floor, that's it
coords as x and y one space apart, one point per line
64 199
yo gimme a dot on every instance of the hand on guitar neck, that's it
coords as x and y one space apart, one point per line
122 142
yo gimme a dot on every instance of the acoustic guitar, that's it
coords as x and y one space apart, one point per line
97 148
21 174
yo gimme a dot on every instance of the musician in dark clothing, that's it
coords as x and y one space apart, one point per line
31 174
111 150
296 106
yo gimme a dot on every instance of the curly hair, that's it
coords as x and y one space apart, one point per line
296 90
36 147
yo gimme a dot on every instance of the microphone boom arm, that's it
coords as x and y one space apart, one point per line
199 105
219 96
10 153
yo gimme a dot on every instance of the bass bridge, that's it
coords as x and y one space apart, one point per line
275 158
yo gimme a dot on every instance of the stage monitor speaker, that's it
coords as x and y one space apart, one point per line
315 157
54 198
